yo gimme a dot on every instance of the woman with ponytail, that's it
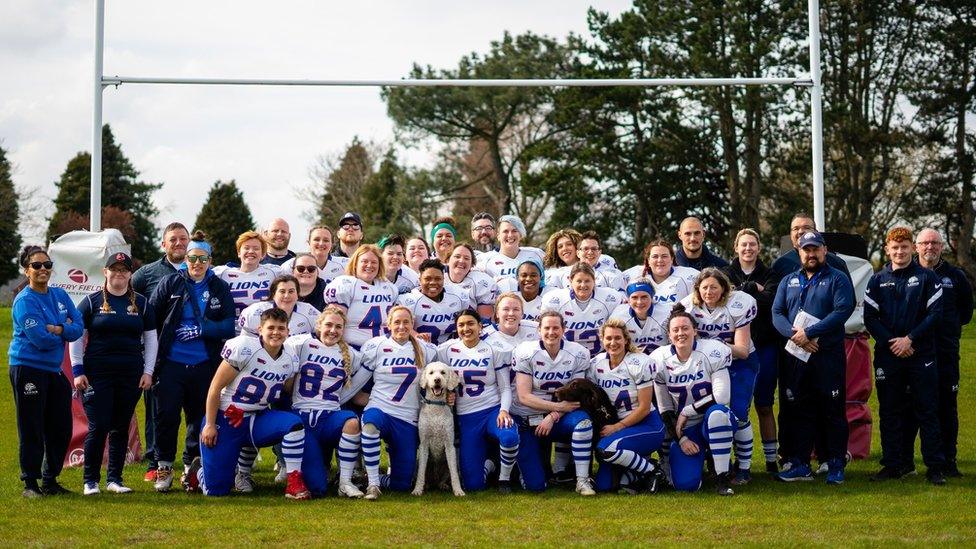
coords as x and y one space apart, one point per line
393 363
112 368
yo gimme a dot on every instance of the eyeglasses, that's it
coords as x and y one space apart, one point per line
929 243
483 228
197 258
36 265
305 268
351 226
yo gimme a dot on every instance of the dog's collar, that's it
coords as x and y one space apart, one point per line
423 397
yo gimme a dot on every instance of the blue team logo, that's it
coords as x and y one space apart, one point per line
715 354
735 305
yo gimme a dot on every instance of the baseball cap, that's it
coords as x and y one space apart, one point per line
350 216
119 257
811 238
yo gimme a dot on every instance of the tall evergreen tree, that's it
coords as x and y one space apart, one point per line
224 216
10 237
120 188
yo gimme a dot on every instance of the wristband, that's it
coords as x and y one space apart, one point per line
77 370
682 440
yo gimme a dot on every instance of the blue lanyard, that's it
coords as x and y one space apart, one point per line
806 283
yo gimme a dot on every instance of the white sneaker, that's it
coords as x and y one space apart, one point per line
91 488
822 470
243 482
117 488
372 492
164 479
282 476
584 487
349 490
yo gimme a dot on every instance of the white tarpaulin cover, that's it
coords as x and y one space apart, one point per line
79 257
861 271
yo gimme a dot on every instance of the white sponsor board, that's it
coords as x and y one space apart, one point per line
79 257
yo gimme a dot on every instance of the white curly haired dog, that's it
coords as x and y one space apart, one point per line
436 424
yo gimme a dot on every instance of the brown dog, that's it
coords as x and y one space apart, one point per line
592 399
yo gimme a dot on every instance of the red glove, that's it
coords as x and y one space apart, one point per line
234 415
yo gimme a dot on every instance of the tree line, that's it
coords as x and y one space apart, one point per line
899 94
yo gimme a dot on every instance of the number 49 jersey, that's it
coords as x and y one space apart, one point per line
679 385
394 371
321 382
548 374
366 306
246 288
721 323
622 383
260 379
484 373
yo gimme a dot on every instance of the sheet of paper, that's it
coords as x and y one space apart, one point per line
802 320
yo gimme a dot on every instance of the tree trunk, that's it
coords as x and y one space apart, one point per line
964 238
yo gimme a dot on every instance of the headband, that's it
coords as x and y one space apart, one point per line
440 226
199 245
381 243
639 287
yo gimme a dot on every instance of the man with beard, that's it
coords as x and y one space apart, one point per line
483 232
350 234
693 252
144 281
813 391
278 236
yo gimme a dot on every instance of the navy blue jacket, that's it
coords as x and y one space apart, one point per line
957 304
763 332
706 259
904 302
829 296
789 262
217 320
145 278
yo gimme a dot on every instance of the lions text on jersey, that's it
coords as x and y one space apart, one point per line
247 288
301 321
721 323
499 265
548 374
583 318
678 384
260 378
321 382
622 382
647 334
483 370
366 306
435 317
394 372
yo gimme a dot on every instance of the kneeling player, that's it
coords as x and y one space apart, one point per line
691 382
253 374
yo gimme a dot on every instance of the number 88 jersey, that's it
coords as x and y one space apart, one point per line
321 378
679 385
260 379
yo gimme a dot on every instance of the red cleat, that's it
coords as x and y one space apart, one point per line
150 476
296 487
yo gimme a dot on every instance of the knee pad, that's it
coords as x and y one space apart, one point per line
583 425
508 438
371 430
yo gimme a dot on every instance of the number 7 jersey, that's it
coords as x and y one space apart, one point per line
395 376
679 385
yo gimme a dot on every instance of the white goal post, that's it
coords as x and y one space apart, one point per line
100 82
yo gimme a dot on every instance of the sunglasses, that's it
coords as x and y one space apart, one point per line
305 268
351 226
41 264
197 258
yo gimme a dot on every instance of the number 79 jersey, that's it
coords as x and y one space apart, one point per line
678 385
395 375
322 378
548 374
622 383
366 306
260 379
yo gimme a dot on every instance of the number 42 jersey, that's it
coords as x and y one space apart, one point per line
260 378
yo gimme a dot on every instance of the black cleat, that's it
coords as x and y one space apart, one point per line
772 467
952 470
54 489
935 477
722 487
504 487
887 473
563 477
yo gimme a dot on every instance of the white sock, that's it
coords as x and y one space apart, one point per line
371 453
719 432
348 455
245 459
582 444
292 448
743 445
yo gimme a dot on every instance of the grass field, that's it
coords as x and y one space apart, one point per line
765 512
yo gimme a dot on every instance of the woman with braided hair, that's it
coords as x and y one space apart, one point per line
113 368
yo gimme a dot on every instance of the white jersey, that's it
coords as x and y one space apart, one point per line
366 306
394 371
622 383
548 374
721 323
260 378
484 373
321 381
335 266
607 262
301 321
480 288
530 309
435 317
647 334
528 330
406 280
674 288
499 265
605 278
247 288
678 385
583 319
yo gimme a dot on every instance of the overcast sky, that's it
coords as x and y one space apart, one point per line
266 138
